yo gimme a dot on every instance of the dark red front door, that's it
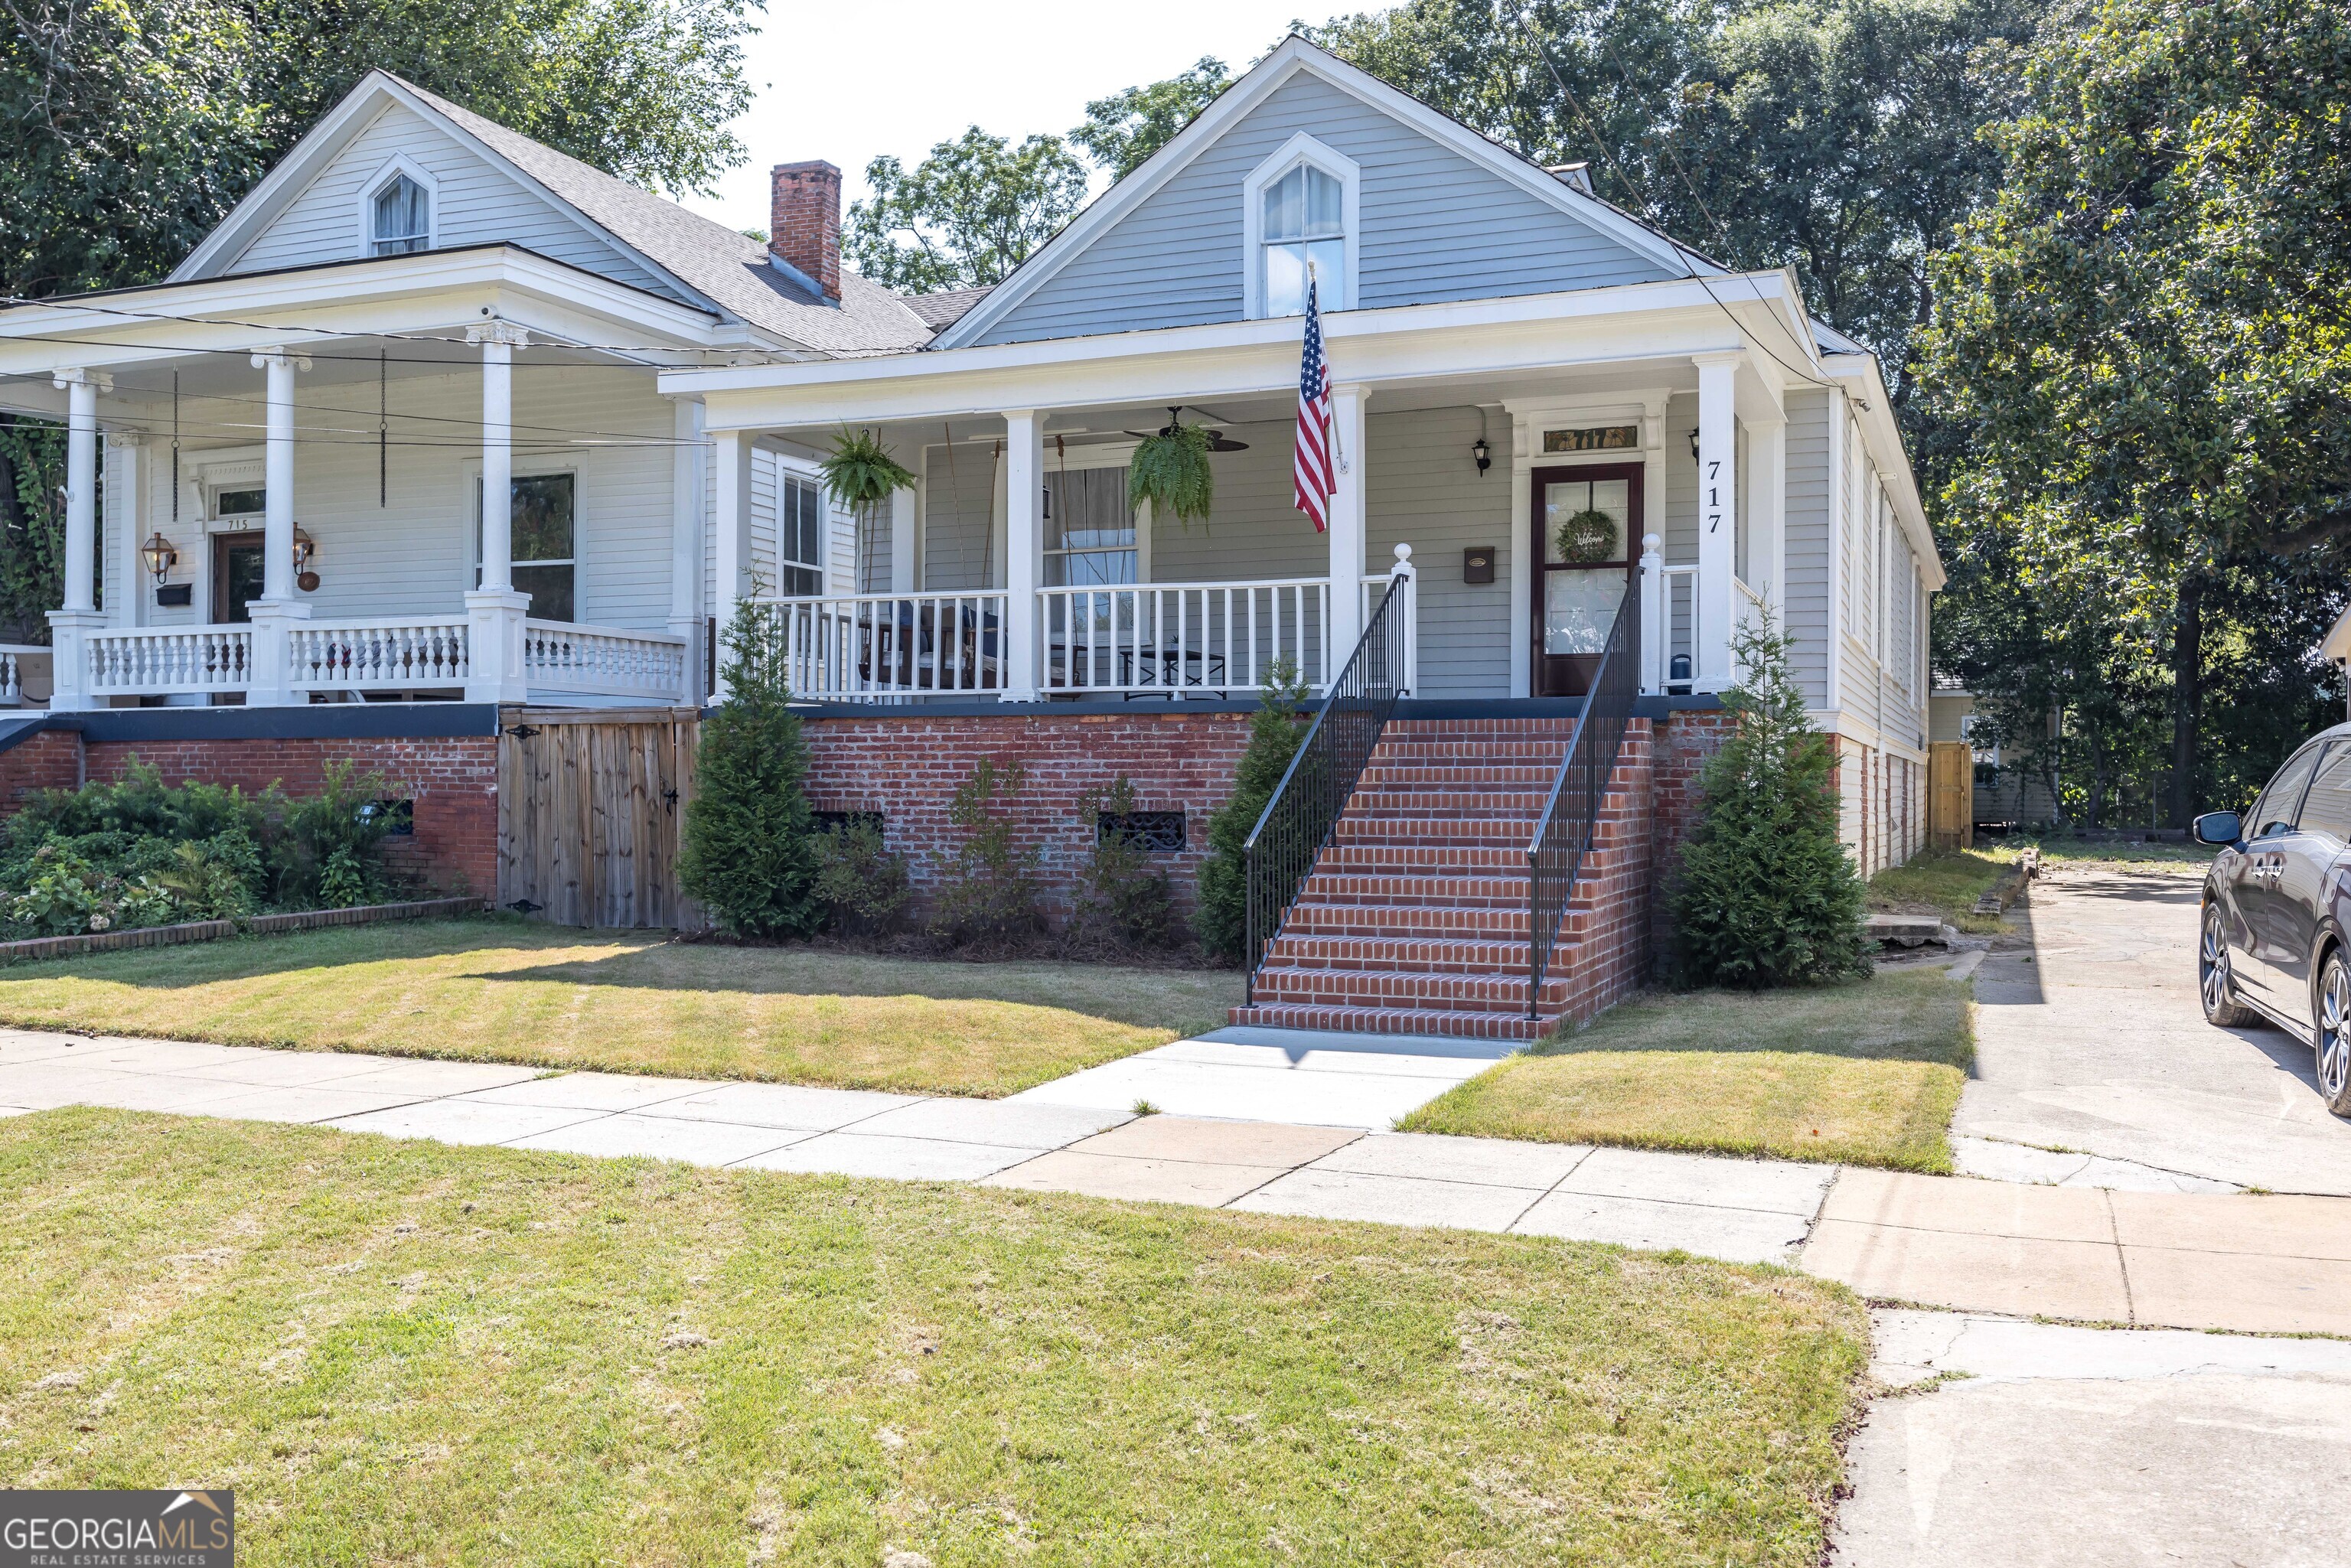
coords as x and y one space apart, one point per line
1582 532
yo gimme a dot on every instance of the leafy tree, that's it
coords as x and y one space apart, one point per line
1221 918
747 854
1765 893
1127 127
966 216
2142 346
1835 137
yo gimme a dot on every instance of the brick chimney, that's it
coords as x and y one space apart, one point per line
804 223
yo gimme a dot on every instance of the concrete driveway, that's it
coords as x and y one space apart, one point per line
2091 1040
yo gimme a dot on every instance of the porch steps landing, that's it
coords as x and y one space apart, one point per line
1413 921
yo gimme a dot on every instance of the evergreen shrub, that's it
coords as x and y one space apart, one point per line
1765 893
747 854
861 884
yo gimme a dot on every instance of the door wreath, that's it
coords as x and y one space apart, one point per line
1586 537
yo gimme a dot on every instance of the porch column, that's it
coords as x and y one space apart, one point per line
730 488
686 524
902 542
1718 531
1347 529
126 509
1024 550
273 658
495 611
69 626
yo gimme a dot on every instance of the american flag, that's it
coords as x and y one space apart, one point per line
1313 467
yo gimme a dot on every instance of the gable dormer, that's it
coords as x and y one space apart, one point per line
1307 162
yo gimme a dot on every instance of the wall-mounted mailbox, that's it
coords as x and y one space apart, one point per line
175 593
1478 564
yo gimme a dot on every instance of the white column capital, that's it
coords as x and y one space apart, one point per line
96 381
279 358
1720 357
502 334
126 435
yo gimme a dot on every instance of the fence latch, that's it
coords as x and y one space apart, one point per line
523 731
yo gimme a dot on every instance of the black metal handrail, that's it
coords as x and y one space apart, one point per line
1298 822
1555 854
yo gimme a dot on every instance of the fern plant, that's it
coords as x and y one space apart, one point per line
861 474
1171 471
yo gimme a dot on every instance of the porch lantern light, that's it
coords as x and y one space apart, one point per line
1483 454
159 555
305 549
1693 443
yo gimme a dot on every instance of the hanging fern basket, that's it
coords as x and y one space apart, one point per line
860 474
1587 538
1170 470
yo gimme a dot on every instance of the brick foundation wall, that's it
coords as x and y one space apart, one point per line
1685 740
51 759
909 768
1609 922
453 780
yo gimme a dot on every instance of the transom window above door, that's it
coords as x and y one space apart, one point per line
1303 230
400 218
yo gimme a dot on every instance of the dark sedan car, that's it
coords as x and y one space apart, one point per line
2277 907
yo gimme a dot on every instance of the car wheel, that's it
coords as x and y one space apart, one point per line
2214 981
2332 1041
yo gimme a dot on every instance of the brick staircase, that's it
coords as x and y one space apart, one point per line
1413 921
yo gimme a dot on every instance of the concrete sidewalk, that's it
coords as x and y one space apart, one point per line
1743 1210
2190 1260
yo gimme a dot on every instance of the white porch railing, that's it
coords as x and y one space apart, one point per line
155 660
377 654
1172 637
563 659
18 660
893 645
1408 607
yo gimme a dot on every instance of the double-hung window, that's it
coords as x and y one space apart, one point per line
1303 230
400 218
1090 539
543 520
800 528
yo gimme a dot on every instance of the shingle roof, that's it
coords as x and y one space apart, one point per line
728 268
939 311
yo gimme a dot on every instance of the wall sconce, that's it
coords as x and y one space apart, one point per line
160 555
1483 454
305 548
1693 443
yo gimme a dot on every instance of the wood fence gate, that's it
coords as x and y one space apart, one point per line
590 808
1951 795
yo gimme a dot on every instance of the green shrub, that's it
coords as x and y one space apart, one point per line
324 852
747 854
1765 893
987 891
1126 902
861 884
212 879
1222 918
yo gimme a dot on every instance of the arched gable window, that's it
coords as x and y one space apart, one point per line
401 218
1300 217
1305 231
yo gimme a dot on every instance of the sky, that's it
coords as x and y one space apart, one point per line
926 70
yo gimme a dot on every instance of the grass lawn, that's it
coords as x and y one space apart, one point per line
498 988
1948 881
1863 1074
407 1352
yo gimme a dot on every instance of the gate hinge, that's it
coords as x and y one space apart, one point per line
525 906
523 731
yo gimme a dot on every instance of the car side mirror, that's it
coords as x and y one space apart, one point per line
2219 828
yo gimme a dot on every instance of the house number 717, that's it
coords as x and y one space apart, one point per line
1713 495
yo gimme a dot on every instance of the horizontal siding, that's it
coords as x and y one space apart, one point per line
1436 227
1427 492
1806 593
476 202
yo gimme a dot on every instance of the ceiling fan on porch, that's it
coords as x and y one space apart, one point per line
1217 441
